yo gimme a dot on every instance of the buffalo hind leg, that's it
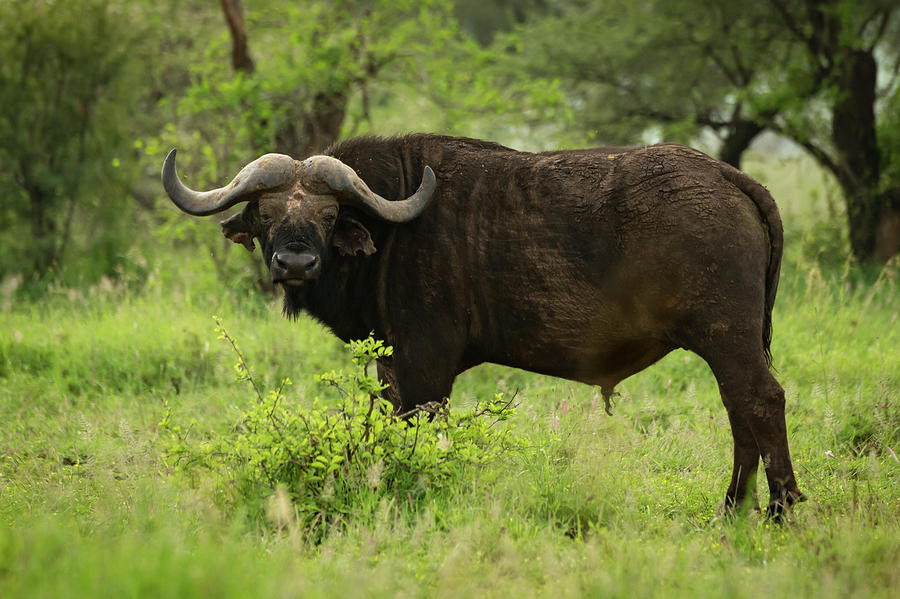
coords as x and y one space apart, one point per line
755 404
742 490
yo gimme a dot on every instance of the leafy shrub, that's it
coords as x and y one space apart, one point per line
340 458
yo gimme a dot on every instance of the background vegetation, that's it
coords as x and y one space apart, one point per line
107 294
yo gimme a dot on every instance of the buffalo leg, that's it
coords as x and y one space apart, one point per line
755 404
386 377
417 378
746 461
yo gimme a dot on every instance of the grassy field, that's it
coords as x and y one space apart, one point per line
621 506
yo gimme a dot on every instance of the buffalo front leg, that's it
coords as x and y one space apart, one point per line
386 377
414 380
755 404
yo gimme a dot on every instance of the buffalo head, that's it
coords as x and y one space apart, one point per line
294 210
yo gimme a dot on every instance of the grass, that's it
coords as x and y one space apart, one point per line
596 506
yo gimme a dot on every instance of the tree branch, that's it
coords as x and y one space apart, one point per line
821 156
240 53
791 23
885 18
824 26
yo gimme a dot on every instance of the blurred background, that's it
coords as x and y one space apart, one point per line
93 93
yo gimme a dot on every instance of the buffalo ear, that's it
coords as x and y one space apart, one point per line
235 228
350 237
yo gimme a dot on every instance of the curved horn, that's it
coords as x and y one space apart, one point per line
342 179
266 172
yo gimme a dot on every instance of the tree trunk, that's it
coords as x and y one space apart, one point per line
856 144
42 231
324 126
741 133
311 133
240 52
863 213
887 236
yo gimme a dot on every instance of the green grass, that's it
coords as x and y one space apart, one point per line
626 506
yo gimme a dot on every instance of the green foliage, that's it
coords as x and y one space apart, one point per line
337 461
66 82
634 72
486 18
312 59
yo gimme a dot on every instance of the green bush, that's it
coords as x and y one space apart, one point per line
340 458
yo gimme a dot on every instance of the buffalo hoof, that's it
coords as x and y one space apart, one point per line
734 508
778 507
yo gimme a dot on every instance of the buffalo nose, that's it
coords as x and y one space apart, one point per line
294 266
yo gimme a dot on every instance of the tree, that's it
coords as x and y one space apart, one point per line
62 89
627 66
807 70
303 134
295 95
842 44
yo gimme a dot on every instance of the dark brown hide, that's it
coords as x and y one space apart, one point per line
589 265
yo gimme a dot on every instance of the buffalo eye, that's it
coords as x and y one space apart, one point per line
328 216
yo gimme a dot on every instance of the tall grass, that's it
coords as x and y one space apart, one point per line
627 505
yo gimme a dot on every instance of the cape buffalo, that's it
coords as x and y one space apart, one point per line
589 265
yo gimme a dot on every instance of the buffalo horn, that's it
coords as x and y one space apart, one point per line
266 172
349 187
